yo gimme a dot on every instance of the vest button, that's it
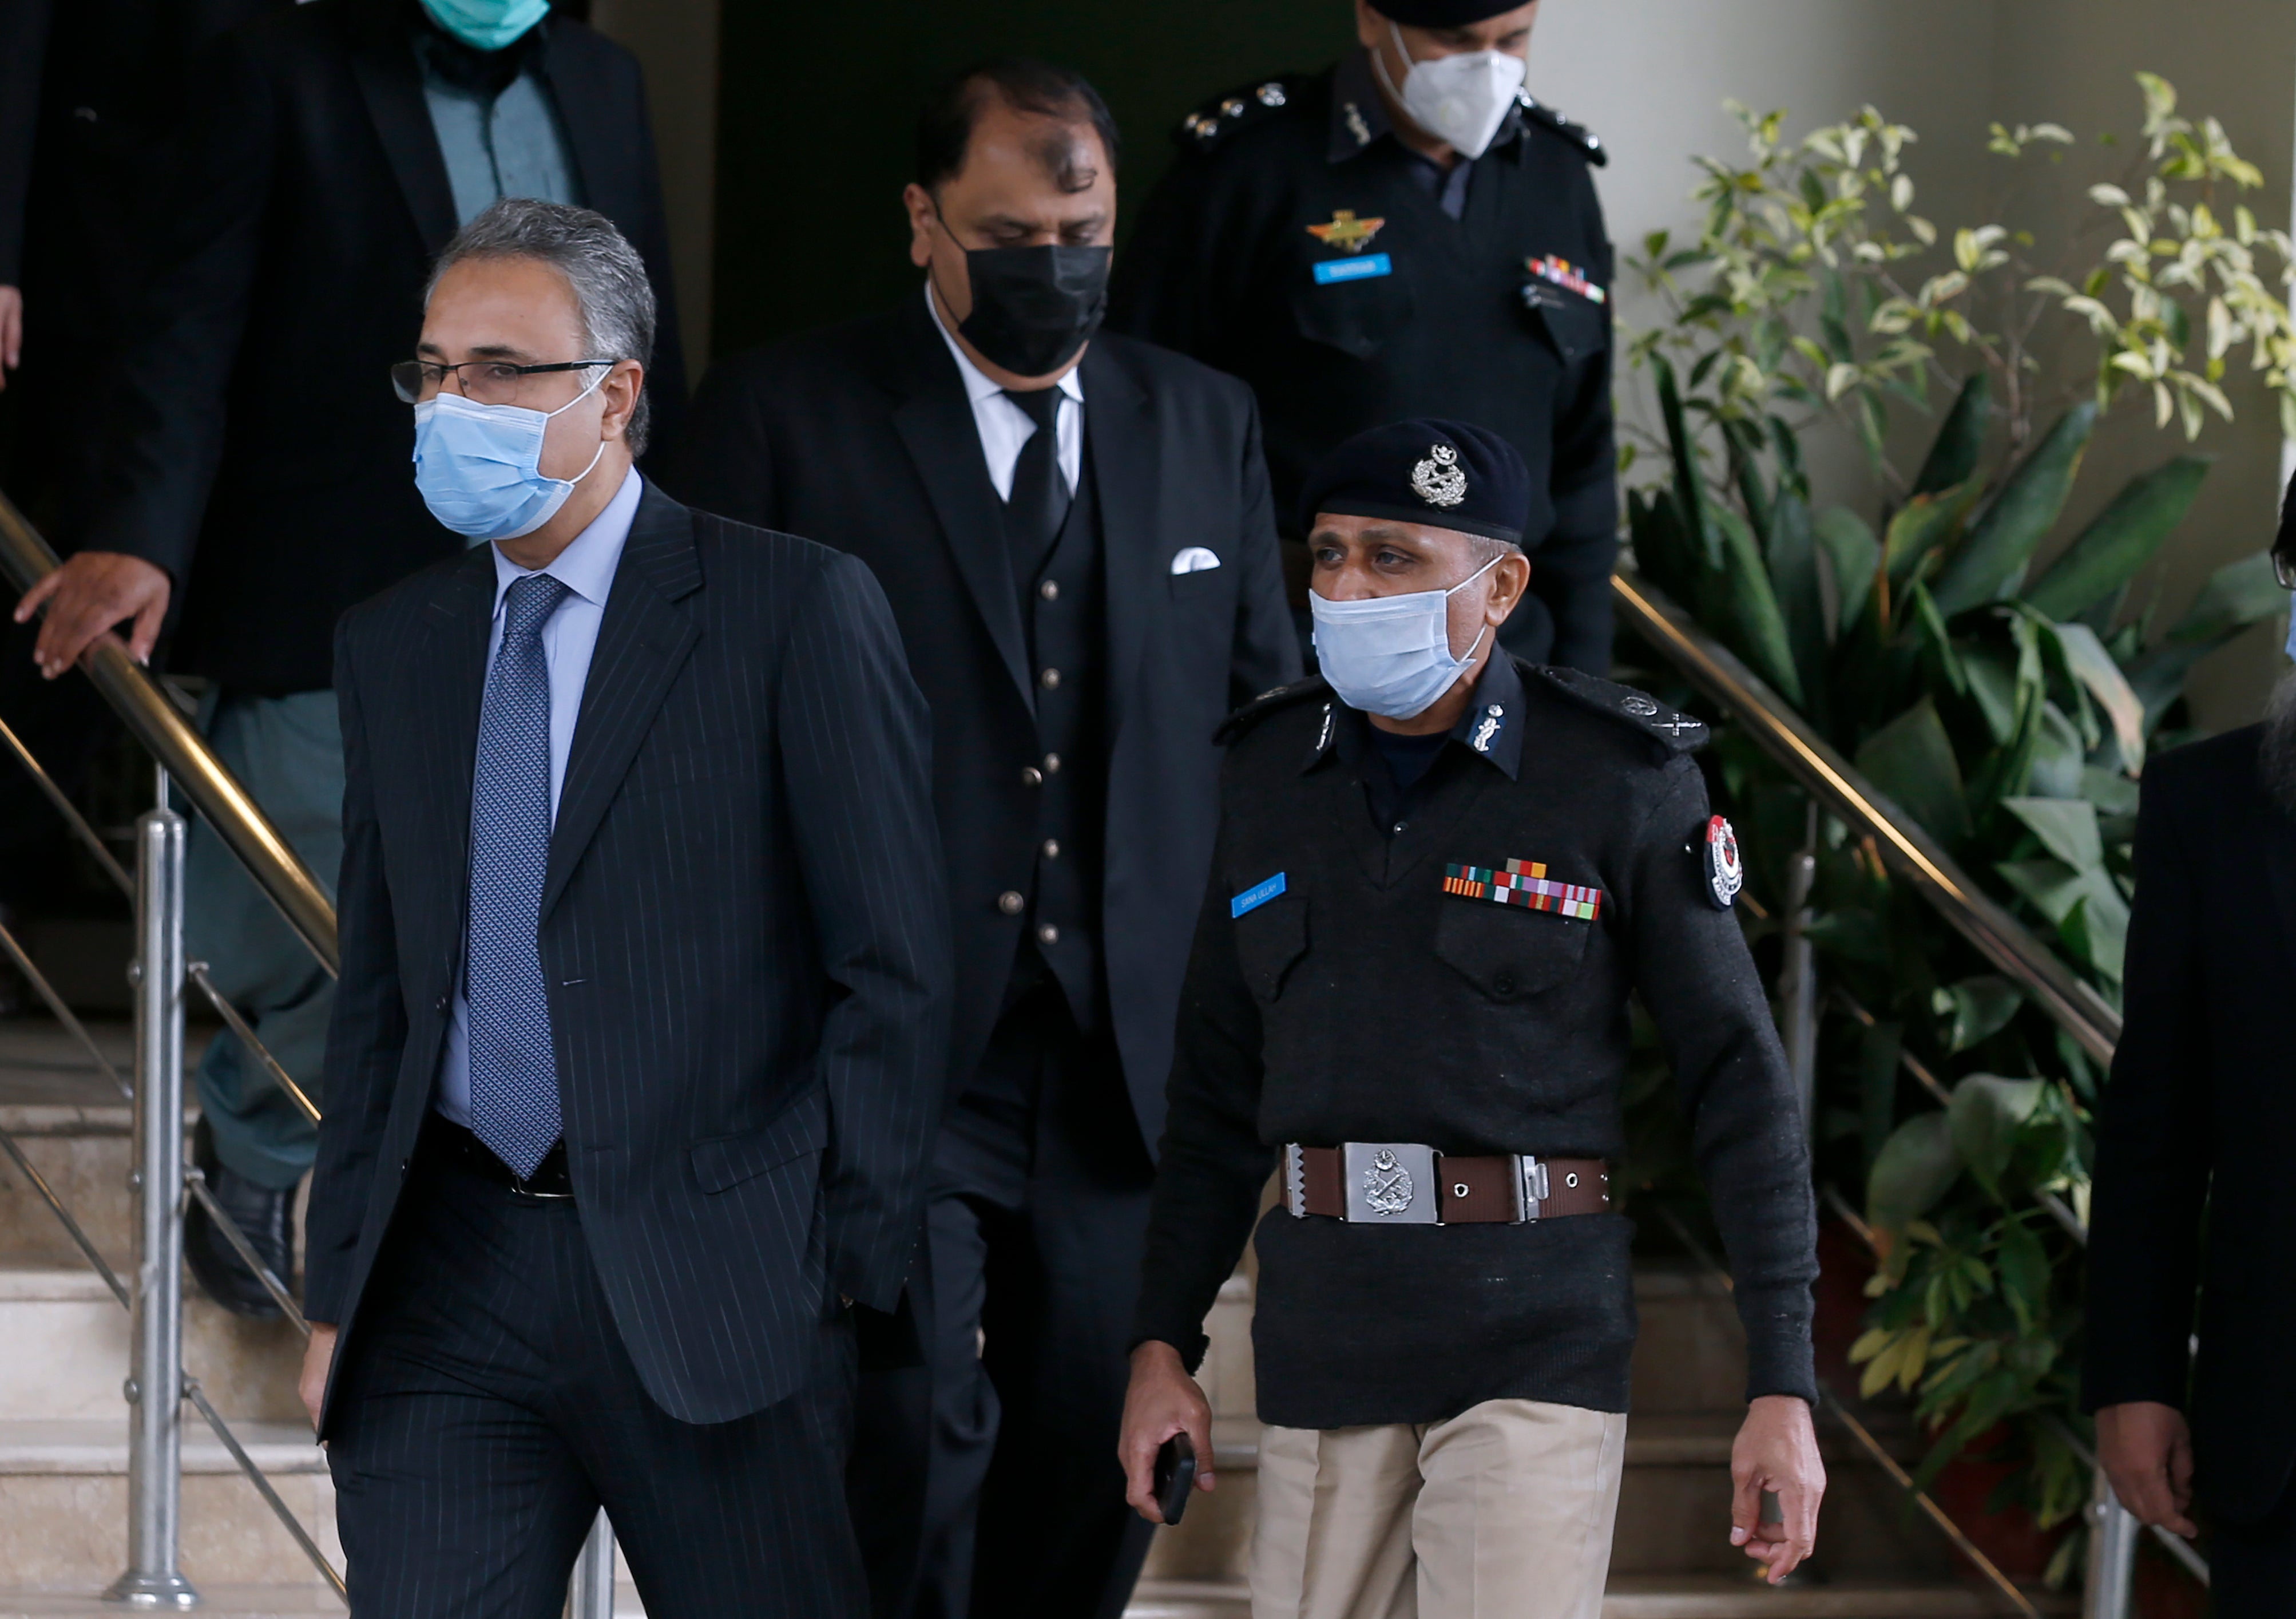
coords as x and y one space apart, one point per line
1502 984
1050 591
1052 849
1031 776
1010 902
1048 934
1050 679
1052 764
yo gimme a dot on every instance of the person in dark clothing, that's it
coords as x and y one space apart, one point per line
1402 234
253 481
1442 872
2194 1134
1075 533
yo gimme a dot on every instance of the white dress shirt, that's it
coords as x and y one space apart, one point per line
1004 427
570 637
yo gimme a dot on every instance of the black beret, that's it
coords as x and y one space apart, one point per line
1444 474
1441 14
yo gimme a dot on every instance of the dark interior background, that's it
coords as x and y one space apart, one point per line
816 108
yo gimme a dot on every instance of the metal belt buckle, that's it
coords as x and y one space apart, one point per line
1389 1181
1295 1181
1530 1187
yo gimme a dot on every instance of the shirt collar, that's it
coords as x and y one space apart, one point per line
976 385
586 566
1359 112
1491 728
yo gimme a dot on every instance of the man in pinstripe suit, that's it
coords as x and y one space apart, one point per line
638 1046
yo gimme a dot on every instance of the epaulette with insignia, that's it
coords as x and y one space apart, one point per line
1546 117
1637 711
1222 115
1267 703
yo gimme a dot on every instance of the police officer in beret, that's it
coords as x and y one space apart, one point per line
1441 871
1405 234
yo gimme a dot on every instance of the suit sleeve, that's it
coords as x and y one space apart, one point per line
2153 1159
1212 1165
166 421
1571 571
724 462
367 1031
1266 646
24 27
1695 976
856 761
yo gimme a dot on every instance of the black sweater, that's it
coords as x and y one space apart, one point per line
1364 1003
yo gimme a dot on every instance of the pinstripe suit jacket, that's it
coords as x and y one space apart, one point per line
742 934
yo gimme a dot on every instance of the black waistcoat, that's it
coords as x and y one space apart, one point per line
1063 611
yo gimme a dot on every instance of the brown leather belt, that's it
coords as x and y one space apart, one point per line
1402 1183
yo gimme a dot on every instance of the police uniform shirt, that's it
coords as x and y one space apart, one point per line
1376 994
1297 243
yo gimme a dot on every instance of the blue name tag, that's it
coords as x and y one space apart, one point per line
1361 268
1256 896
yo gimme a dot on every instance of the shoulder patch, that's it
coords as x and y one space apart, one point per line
1539 115
1222 115
1268 703
1624 705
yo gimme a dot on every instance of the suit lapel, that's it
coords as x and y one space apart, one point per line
1121 445
936 425
643 641
447 681
605 164
382 59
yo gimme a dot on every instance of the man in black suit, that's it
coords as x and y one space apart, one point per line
639 1049
2195 1134
1075 536
254 481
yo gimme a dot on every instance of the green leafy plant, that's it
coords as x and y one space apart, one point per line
2006 710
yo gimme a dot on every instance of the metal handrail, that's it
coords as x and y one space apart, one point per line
151 716
1782 732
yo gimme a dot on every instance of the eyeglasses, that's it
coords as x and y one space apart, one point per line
482 382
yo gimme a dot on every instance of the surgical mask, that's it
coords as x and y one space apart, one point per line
480 466
1461 100
485 25
1033 308
1390 656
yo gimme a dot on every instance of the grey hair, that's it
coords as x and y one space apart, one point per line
612 293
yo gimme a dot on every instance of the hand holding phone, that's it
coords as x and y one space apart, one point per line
1176 1475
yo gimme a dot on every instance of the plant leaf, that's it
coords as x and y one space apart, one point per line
1925 525
1975 1009
1742 592
1853 553
1914 1168
2121 540
1960 438
1992 559
1793 576
2066 826
1911 759
2095 668
1985 1115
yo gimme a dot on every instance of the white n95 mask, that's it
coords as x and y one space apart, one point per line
1390 656
1461 100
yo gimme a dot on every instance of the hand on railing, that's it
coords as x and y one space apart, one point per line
92 593
2146 1450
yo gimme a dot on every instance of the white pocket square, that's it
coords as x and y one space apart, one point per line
1195 559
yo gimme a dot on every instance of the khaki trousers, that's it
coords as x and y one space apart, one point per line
1502 1512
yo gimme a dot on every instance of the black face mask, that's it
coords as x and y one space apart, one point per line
1033 308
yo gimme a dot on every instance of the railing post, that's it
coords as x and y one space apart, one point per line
591 1594
2112 1532
155 1392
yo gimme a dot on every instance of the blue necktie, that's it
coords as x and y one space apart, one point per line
513 1070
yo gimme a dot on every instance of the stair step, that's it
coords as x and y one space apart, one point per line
63 1507
1692 1597
215 1602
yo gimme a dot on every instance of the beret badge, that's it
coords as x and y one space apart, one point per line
1437 480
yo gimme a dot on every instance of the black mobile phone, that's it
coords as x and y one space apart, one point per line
1176 1475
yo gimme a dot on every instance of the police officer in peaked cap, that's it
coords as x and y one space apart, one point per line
1408 233
1441 871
